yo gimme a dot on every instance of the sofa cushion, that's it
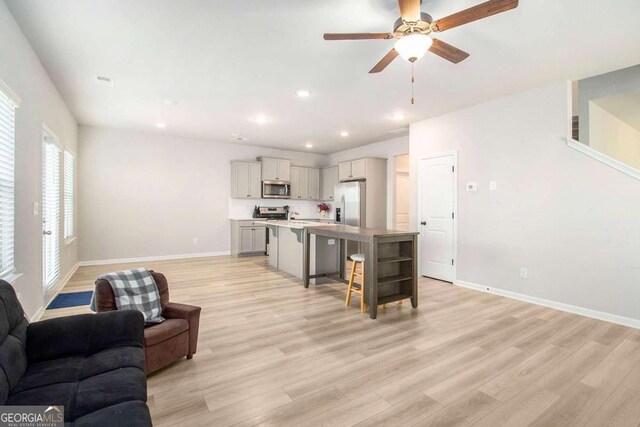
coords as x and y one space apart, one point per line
163 331
13 337
126 414
91 394
74 369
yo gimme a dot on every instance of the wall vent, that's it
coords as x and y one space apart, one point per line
104 81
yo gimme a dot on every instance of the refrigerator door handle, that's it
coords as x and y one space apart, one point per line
343 206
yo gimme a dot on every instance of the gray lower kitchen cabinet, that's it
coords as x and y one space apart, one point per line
329 181
248 238
246 180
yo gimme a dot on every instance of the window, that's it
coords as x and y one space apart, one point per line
8 105
69 172
51 205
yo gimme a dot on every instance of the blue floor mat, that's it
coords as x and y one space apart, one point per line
72 299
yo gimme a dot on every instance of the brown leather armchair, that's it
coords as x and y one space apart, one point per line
165 342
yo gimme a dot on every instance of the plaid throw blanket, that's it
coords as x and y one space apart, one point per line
135 290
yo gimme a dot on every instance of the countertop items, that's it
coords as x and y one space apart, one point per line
294 223
391 261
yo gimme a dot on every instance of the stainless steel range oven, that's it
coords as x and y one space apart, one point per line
276 189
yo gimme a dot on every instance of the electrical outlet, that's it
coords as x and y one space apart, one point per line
195 242
36 208
524 273
492 186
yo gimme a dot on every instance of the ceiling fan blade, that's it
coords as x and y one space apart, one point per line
384 61
410 10
448 52
357 36
475 13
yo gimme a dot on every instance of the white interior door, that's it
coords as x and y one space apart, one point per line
51 202
437 189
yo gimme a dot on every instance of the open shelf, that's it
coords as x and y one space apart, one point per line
393 279
394 259
391 298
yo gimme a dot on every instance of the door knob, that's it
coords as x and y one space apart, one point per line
423 223
47 233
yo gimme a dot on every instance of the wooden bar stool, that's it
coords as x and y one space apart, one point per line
357 259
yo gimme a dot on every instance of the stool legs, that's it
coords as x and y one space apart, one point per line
351 289
362 294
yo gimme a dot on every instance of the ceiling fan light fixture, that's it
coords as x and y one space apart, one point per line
413 47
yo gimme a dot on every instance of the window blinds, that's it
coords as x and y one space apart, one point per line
51 212
7 160
69 165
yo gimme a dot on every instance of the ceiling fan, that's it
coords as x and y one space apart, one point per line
412 31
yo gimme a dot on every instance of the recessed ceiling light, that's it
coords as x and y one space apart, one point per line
235 135
344 133
308 145
169 102
161 125
261 119
104 81
397 116
303 93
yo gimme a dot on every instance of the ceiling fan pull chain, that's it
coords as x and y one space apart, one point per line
412 81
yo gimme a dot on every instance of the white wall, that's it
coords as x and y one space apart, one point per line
385 149
149 195
572 221
613 137
21 70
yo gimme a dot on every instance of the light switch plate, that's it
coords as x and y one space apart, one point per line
492 186
331 241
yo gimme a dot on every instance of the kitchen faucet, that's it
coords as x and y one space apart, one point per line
289 213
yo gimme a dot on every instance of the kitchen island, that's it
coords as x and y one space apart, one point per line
391 269
286 248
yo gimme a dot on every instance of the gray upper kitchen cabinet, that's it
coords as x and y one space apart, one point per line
305 183
246 180
299 183
344 171
313 184
352 170
329 181
275 169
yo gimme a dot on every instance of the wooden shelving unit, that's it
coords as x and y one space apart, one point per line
395 270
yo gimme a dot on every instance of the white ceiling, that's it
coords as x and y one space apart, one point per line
625 106
225 61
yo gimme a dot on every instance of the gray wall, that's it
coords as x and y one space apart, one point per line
150 195
620 81
572 221
21 70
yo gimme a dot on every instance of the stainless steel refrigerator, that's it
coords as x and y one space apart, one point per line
350 208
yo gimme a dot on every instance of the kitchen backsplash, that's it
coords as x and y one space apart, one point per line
243 209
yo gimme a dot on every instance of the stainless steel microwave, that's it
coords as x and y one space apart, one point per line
276 189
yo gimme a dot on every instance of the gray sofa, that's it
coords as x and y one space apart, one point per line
93 365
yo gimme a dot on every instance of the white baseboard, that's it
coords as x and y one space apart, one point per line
152 258
59 287
600 315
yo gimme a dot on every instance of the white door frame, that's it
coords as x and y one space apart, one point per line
455 206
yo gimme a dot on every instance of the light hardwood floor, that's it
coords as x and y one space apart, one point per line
273 353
